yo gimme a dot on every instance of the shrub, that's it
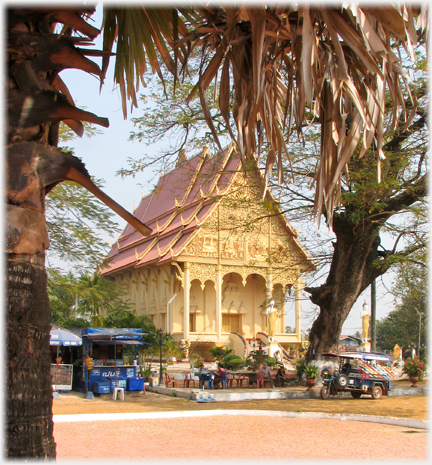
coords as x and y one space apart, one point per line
300 367
311 371
220 352
233 362
414 367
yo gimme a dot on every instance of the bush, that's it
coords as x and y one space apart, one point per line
414 367
311 371
220 352
300 367
233 362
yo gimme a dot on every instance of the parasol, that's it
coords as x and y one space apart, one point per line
62 337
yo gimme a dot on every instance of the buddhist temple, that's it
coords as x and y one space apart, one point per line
220 250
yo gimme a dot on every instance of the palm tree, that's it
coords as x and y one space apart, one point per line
283 65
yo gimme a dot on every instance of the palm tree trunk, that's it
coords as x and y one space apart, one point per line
29 427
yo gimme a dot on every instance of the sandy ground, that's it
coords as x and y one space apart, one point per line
238 438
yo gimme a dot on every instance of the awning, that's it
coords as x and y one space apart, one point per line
119 342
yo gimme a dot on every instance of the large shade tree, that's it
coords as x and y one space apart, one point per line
283 64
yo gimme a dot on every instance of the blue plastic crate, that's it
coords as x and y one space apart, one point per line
135 384
101 387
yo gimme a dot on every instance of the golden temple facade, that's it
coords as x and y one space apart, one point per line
218 252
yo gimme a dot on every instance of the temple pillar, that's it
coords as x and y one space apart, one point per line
297 290
186 300
218 302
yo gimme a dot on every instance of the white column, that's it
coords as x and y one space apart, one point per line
186 297
298 289
218 302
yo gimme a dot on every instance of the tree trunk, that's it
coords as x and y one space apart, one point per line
29 428
351 272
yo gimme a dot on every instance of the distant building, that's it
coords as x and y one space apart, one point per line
347 343
217 254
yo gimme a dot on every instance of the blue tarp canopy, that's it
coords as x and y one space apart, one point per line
368 356
121 336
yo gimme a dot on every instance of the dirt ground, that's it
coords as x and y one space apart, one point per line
238 438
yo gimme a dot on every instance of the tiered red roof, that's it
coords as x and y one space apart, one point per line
181 202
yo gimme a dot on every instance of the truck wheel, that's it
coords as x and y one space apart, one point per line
356 395
342 381
376 392
325 392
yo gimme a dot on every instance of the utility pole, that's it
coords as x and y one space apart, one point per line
373 316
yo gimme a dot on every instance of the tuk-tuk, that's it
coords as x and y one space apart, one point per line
358 373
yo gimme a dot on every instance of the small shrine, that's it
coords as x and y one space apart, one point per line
220 250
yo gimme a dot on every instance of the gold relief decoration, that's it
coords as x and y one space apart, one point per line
190 248
232 249
207 246
245 271
179 274
285 276
257 250
202 272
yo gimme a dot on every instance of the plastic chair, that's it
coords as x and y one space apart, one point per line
239 380
260 381
188 378
224 380
169 381
207 378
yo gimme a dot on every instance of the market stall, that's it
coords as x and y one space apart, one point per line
62 373
105 364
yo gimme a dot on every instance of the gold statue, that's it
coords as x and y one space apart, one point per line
365 322
271 315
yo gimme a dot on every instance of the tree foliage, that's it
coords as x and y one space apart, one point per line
87 297
401 326
76 223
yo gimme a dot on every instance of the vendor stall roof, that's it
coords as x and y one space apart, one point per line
120 342
109 334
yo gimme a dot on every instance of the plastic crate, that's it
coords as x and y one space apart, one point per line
101 387
135 384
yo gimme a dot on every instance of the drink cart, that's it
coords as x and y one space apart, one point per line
105 367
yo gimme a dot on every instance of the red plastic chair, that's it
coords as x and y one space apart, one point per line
239 380
188 378
260 381
168 380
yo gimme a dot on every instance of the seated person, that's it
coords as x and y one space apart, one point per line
218 376
280 376
263 368
346 368
201 368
